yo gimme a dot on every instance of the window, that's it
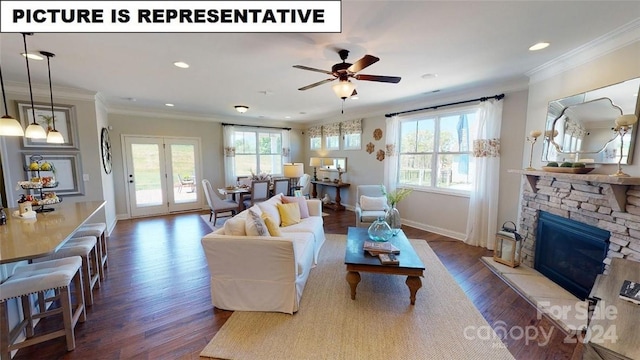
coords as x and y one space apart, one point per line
257 152
331 134
351 134
435 151
315 137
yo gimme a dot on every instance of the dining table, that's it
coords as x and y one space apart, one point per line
237 194
30 238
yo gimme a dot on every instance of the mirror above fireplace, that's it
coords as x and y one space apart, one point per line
582 125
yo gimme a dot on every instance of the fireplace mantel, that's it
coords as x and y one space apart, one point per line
617 186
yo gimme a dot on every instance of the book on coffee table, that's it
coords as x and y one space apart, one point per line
388 259
375 248
630 291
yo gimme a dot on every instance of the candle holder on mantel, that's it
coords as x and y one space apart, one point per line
532 138
623 124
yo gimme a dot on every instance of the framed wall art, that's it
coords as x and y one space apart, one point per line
65 121
65 168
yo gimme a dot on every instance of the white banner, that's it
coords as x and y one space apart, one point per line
171 16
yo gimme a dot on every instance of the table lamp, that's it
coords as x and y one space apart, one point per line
293 171
315 162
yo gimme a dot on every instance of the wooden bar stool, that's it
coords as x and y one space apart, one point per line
85 247
55 275
99 230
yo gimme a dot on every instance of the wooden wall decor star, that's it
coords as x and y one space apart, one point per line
370 147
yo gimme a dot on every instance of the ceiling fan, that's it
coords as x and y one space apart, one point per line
344 70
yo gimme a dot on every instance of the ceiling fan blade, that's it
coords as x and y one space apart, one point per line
363 63
388 79
316 84
302 67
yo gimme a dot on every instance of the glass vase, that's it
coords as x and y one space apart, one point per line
380 230
392 217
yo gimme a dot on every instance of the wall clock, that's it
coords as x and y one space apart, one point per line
105 144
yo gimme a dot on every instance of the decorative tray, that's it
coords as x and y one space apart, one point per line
567 170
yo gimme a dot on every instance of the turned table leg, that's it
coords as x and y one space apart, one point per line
353 278
413 282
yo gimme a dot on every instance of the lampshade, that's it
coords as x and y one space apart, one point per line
55 137
293 170
35 131
327 161
626 120
315 162
241 109
10 127
344 89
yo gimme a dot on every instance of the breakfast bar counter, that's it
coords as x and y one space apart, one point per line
24 239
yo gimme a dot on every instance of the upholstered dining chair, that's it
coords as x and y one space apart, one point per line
281 186
217 205
367 213
259 192
305 184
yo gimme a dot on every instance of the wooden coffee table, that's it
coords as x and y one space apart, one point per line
357 260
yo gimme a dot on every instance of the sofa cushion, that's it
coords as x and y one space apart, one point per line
274 229
302 203
289 214
373 203
235 226
270 208
254 225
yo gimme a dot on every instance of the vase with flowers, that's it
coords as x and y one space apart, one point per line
392 216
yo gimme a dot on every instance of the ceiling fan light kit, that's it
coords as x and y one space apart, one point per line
344 70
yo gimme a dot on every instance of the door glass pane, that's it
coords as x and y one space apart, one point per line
183 163
146 172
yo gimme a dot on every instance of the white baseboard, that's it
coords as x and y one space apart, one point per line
434 229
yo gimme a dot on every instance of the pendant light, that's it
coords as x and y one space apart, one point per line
8 125
53 136
34 130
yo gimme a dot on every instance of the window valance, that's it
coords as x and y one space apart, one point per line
315 131
351 127
331 129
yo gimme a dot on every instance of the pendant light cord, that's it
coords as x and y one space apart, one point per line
4 98
53 117
26 59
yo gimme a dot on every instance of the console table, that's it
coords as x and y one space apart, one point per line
614 336
337 205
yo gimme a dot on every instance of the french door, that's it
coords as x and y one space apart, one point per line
162 174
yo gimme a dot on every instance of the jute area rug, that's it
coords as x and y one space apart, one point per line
379 324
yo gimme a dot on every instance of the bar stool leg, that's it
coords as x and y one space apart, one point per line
5 338
65 302
28 316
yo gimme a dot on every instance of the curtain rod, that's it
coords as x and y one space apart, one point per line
258 126
497 97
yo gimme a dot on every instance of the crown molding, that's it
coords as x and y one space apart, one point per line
59 92
603 45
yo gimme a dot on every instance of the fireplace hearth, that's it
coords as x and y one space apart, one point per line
570 253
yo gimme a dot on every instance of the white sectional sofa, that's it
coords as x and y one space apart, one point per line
263 273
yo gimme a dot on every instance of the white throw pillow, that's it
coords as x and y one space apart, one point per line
255 226
235 226
368 203
270 207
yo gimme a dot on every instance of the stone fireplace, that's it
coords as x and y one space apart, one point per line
601 201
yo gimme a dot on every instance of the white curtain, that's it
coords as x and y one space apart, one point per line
483 204
286 147
391 148
228 133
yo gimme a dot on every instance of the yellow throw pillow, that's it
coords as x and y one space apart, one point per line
289 213
274 229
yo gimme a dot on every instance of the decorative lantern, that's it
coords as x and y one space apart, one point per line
507 246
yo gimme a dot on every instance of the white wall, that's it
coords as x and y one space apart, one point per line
436 212
614 67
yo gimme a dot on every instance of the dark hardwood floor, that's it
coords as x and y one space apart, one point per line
155 302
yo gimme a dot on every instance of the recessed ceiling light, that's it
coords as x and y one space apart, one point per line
241 108
539 46
181 64
32 56
354 97
169 105
429 76
287 117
